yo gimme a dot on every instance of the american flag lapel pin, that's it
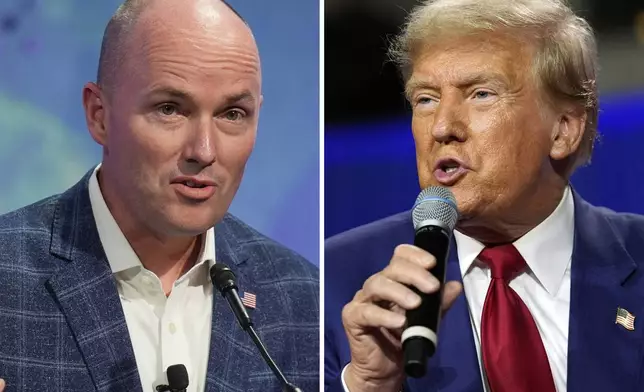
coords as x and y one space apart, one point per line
625 319
249 300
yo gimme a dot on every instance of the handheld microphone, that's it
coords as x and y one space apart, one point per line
223 279
434 215
177 379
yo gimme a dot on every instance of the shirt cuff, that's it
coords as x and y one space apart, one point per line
344 384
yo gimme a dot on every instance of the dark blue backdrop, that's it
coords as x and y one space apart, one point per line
370 169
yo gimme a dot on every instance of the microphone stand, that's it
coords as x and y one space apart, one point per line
286 386
224 280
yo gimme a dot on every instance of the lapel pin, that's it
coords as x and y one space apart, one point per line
249 300
625 319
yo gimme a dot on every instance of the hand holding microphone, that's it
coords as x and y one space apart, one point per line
403 300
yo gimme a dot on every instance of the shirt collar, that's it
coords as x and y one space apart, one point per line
547 248
118 250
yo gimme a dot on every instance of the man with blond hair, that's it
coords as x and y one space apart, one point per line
107 285
505 108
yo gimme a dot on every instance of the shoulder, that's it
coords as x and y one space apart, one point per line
369 244
34 217
396 225
622 221
259 248
628 227
27 230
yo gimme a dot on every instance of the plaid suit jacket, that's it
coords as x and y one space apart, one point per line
62 327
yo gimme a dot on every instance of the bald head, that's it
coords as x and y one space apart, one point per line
123 24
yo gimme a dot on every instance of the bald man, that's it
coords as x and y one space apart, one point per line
106 285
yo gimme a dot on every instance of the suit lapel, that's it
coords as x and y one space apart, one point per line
602 355
229 344
454 367
87 295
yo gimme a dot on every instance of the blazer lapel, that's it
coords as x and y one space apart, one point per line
454 367
602 355
231 353
87 295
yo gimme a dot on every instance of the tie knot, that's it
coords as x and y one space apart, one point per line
504 261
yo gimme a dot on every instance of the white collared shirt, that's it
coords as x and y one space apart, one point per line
164 331
544 287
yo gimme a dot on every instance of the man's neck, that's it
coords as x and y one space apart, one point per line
168 259
517 220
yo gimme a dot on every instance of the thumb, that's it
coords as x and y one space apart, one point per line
2 385
450 292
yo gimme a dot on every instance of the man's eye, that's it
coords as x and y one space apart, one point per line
234 115
425 101
167 109
482 94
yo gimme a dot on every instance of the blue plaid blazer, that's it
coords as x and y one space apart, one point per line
62 327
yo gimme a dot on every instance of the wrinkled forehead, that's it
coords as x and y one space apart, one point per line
471 57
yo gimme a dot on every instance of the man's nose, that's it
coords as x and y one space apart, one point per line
449 123
201 147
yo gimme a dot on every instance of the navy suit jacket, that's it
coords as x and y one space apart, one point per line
62 327
607 273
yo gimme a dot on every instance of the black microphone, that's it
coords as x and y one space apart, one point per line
223 279
434 215
177 379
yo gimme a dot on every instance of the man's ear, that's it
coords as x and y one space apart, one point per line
95 112
567 133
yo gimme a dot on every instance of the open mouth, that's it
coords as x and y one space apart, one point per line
449 166
192 184
195 189
449 171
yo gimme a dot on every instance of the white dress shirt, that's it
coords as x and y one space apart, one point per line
544 287
164 330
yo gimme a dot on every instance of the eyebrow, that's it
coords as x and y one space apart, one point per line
244 96
169 92
469 81
173 93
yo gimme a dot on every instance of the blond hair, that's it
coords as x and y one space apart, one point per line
565 62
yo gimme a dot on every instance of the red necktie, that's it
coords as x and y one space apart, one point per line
513 353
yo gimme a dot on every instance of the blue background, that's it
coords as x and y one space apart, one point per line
49 49
370 167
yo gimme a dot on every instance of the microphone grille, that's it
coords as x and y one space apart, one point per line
435 203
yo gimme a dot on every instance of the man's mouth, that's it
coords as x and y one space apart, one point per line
449 171
450 167
196 189
193 184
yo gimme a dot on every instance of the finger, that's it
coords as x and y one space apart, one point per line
390 338
370 315
380 288
451 291
415 255
410 273
2 385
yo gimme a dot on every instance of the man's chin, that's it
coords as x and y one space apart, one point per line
189 225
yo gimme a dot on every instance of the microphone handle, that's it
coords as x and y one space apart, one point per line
420 337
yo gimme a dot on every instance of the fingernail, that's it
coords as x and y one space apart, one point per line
400 320
432 283
412 299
